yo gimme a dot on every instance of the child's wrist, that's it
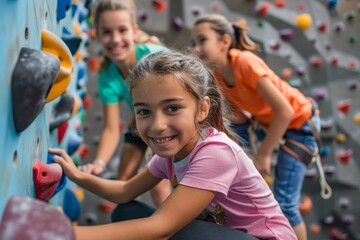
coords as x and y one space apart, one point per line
101 163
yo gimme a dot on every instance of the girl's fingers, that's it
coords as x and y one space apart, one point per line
58 151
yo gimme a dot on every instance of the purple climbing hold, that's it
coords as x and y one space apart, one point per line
143 16
320 94
27 218
310 173
353 85
197 11
274 45
326 124
286 34
348 218
338 26
344 202
178 23
300 71
329 170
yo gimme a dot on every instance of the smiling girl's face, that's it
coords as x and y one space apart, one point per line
166 113
117 34
208 44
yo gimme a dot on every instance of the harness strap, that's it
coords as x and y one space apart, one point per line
298 150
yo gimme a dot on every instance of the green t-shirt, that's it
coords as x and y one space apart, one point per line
111 84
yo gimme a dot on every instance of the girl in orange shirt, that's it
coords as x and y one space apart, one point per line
250 86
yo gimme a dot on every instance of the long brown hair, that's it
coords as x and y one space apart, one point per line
196 78
237 30
129 6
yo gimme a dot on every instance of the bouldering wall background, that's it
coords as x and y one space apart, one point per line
312 44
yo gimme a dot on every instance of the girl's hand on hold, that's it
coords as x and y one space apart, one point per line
96 168
65 161
262 164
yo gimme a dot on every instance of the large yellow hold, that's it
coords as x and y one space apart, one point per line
303 21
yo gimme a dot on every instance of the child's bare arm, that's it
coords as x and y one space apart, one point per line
182 206
113 190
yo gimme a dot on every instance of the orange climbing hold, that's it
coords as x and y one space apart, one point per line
357 118
286 73
94 63
316 61
305 204
280 3
352 64
315 229
263 8
159 5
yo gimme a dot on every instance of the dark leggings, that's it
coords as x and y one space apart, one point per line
197 229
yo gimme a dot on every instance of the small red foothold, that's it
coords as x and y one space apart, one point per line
159 5
345 156
280 3
344 106
322 27
263 8
316 62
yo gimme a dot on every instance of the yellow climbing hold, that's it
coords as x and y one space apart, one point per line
268 179
340 138
357 119
79 192
303 21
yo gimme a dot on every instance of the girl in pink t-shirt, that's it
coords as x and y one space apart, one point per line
218 192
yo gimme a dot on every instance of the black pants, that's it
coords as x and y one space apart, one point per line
197 229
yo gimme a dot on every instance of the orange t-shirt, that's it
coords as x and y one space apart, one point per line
248 69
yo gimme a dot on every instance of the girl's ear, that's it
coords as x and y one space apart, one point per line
227 41
204 109
136 29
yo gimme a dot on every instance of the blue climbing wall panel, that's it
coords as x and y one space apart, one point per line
21 25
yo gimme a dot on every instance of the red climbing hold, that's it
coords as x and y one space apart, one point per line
46 178
263 8
316 61
280 3
345 155
344 106
322 27
159 5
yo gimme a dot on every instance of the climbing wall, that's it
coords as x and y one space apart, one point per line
315 46
43 100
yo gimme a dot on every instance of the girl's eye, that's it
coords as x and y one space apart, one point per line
142 112
123 30
202 40
173 108
105 32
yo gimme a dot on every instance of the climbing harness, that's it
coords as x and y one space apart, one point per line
298 150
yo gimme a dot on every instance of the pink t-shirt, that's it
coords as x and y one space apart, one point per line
242 201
